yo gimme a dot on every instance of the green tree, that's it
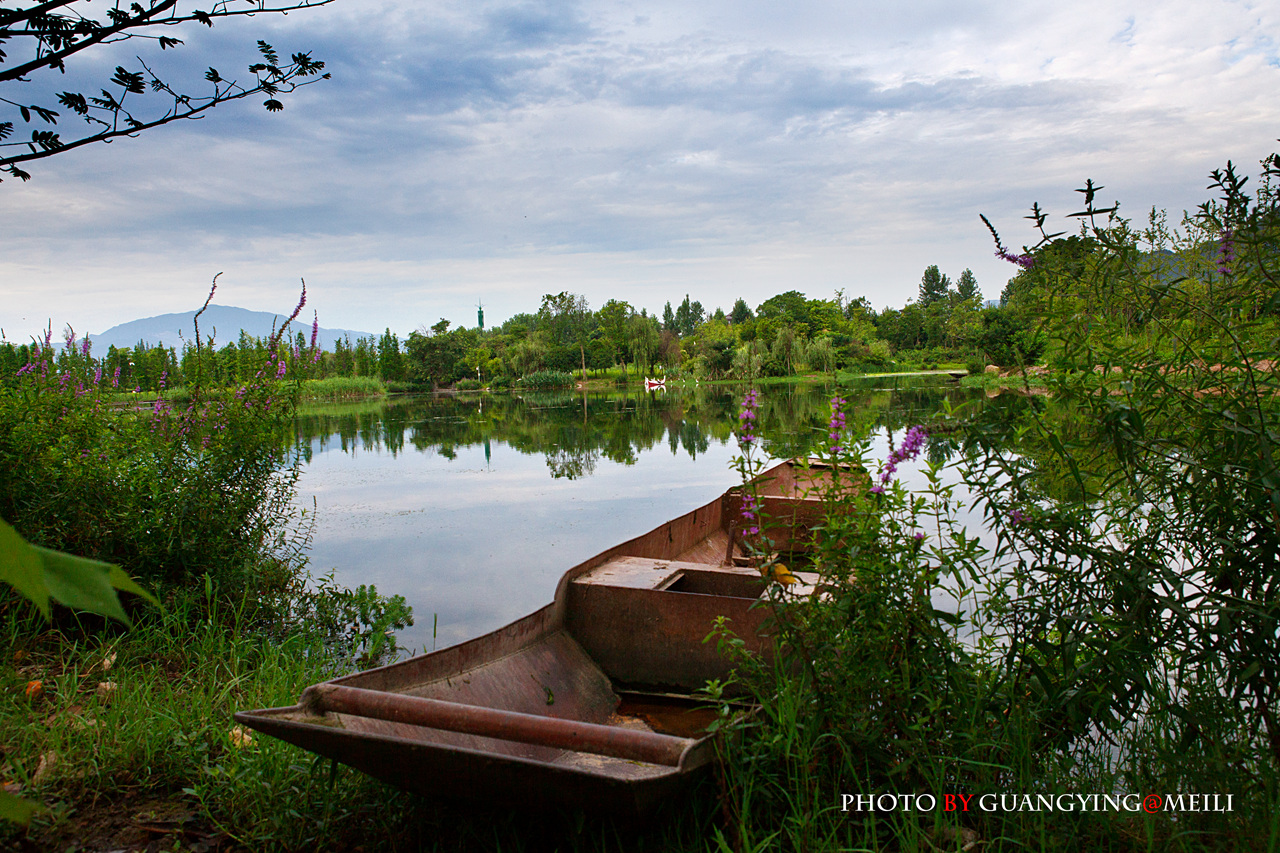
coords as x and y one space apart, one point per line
689 317
934 286
390 359
967 286
668 318
790 307
613 318
741 312
434 355
44 37
568 317
643 340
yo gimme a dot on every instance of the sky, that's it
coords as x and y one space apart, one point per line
489 151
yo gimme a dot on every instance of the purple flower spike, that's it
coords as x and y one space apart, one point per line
1017 517
1226 252
747 417
1024 261
908 450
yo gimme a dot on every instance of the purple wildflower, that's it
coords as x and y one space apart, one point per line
26 368
906 451
837 423
115 378
164 379
877 489
1024 261
84 347
918 536
1226 252
747 417
281 371
70 338
315 329
1017 517
97 375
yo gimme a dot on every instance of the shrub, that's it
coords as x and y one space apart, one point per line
167 492
1117 636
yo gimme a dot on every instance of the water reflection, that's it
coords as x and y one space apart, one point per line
472 506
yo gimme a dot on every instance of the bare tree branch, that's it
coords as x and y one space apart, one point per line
53 37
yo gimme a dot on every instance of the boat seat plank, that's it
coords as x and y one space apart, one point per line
648 573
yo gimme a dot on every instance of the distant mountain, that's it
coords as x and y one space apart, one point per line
222 321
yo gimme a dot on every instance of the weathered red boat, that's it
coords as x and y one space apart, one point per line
587 701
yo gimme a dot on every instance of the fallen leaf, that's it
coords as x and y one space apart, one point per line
240 737
47 762
61 716
108 661
11 787
19 655
105 689
34 688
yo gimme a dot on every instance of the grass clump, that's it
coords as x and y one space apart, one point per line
342 388
547 379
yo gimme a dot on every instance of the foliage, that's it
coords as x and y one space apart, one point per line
1118 632
1165 552
934 286
53 33
167 493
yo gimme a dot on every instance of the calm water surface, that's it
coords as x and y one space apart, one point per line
472 507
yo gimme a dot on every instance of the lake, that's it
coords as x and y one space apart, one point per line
472 506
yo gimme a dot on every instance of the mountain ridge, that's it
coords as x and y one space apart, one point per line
225 322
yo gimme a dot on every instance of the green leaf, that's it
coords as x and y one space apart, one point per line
78 582
81 583
22 568
16 809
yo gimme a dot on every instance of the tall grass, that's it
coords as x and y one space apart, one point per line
342 388
162 743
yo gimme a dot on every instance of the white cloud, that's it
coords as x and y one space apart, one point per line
504 150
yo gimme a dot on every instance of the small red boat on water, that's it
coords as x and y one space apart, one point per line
588 701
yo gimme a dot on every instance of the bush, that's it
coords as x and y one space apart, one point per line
168 493
467 385
1118 636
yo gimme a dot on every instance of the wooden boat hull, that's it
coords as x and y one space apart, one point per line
586 701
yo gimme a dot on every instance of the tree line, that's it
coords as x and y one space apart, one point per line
787 334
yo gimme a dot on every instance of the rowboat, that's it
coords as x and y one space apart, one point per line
588 701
